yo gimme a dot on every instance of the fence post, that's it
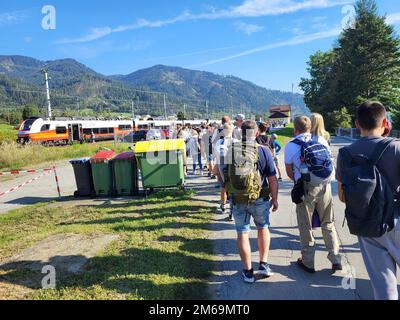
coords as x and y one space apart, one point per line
55 176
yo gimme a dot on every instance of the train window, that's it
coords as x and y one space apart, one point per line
87 131
45 127
124 127
61 130
103 130
28 124
96 130
110 130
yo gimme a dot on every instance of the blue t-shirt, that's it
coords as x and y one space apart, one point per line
277 146
266 164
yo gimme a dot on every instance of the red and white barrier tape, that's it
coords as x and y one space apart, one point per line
15 172
24 184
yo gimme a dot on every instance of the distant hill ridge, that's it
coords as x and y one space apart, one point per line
72 81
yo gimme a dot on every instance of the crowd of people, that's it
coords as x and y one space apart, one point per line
244 159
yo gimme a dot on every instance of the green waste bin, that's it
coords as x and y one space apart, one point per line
161 163
125 174
102 173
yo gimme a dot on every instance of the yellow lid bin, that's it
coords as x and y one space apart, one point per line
160 145
161 163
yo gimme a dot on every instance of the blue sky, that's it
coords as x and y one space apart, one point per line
267 42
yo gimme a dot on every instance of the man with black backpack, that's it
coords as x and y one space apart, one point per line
368 172
250 180
309 164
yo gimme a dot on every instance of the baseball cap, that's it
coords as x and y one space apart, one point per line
274 136
240 117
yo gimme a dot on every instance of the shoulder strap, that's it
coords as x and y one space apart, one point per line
380 150
298 142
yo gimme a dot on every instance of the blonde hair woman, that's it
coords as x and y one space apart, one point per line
318 127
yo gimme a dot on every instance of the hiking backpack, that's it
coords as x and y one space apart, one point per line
242 178
371 203
318 160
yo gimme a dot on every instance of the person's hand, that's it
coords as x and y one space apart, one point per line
275 205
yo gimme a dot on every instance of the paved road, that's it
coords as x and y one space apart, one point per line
40 190
289 282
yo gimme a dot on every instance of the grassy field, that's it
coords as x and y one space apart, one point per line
162 251
7 133
285 134
14 156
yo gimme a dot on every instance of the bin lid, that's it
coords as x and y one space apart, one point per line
80 160
103 156
159 145
125 156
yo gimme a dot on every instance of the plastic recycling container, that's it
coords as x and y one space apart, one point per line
161 163
102 172
83 177
125 174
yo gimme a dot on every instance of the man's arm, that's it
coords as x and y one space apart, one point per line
278 147
290 171
274 188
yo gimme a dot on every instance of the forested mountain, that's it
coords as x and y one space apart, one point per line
73 85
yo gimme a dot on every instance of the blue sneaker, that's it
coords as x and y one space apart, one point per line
265 270
248 276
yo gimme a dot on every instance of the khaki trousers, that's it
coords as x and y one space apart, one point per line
319 198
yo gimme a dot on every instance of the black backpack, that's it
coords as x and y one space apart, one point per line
371 203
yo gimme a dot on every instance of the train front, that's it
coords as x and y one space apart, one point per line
26 128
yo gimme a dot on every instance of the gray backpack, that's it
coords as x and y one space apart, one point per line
371 203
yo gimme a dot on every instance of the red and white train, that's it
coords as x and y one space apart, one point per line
63 131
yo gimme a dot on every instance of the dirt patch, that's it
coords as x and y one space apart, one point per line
65 252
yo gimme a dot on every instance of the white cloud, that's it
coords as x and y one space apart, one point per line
11 17
256 8
291 42
249 8
248 28
393 18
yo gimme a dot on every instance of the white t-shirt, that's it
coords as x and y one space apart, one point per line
293 152
237 133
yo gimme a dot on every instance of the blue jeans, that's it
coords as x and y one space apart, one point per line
199 162
380 257
259 210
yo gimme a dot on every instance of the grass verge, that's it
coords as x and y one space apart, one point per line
14 156
7 133
285 134
162 251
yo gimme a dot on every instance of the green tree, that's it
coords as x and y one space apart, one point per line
368 59
395 118
316 89
30 110
365 64
181 116
339 119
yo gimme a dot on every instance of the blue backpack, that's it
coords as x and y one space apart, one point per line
318 159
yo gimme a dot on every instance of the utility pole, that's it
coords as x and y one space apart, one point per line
232 108
165 108
291 107
184 111
133 122
46 81
208 118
